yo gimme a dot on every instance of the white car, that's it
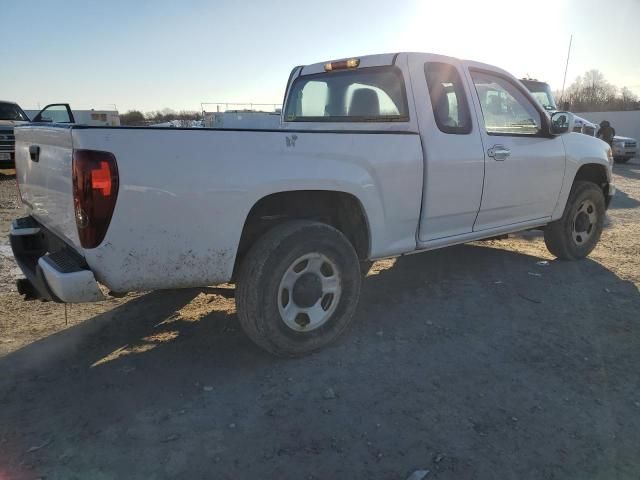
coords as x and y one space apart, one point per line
375 157
624 148
582 125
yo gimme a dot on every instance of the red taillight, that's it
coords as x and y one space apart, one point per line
95 189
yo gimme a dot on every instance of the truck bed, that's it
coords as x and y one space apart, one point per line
185 193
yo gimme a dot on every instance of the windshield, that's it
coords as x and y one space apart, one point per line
374 94
542 93
11 111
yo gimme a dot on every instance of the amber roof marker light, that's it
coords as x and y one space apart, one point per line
342 64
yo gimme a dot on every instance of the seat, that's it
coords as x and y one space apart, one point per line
494 106
442 111
364 103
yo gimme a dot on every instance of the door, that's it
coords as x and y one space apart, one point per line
524 165
55 113
452 148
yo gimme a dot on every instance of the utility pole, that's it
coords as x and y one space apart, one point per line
566 67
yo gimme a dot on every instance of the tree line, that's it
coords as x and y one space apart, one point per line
592 92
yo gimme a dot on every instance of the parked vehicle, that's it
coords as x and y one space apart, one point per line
582 125
378 156
230 115
541 91
624 148
62 113
250 119
179 124
10 115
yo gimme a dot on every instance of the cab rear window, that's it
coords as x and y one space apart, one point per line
373 94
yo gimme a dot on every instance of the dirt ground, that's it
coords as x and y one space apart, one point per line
472 362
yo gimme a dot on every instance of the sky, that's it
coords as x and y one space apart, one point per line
150 55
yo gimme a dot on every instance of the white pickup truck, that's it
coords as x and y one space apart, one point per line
375 157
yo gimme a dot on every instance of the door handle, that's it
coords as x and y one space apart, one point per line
34 153
499 152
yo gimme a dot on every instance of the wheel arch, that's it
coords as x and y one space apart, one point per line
596 173
592 172
342 210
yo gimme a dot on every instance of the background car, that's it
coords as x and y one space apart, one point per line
10 115
624 148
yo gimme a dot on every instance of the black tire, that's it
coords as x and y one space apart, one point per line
259 286
365 266
621 159
560 236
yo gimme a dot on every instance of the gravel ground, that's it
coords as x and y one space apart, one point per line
471 362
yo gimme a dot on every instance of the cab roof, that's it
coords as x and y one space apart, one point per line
383 59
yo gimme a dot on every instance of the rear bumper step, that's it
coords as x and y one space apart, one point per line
54 271
24 226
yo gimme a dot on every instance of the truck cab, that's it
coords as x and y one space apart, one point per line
541 91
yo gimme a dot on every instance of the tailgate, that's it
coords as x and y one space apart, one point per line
45 179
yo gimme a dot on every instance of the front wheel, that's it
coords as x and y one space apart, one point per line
576 234
298 288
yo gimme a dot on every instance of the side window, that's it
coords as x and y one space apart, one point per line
55 114
450 107
505 109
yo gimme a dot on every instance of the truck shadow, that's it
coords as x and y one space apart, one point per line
433 331
631 169
622 200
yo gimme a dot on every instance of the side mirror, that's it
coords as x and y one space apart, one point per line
45 119
561 122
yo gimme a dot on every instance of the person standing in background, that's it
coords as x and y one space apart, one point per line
606 132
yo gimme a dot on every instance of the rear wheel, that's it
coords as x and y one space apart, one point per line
576 234
365 266
298 288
